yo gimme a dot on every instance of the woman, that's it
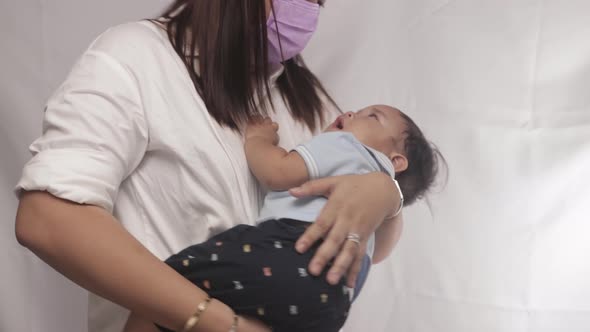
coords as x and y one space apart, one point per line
141 155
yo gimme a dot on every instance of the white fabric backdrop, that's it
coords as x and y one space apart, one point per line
500 85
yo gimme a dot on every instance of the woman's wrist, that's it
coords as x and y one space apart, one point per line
235 323
217 317
401 199
193 320
397 198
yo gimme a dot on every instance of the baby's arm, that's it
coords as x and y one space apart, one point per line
386 237
273 166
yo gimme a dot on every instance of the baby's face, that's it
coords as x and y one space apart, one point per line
378 126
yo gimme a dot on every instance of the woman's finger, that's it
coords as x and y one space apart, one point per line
355 268
319 187
326 252
316 231
349 253
324 222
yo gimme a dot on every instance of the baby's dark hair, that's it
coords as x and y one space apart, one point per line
424 160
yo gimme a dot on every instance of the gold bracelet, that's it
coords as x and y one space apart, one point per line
194 318
234 325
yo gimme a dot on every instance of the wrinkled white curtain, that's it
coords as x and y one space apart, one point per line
501 86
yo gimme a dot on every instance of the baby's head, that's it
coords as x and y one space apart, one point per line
390 131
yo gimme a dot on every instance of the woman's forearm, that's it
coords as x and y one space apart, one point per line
87 245
386 237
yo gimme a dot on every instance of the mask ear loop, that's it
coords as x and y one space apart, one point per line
272 9
289 80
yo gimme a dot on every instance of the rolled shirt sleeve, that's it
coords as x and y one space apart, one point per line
94 134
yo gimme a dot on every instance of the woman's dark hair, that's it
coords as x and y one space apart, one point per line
229 40
424 161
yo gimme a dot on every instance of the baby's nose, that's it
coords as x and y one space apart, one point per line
349 114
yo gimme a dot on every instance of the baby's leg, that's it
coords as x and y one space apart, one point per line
137 324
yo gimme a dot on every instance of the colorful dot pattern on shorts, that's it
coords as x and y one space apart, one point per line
244 268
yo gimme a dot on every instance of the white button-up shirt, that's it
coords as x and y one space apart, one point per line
128 132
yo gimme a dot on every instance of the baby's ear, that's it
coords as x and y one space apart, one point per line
400 162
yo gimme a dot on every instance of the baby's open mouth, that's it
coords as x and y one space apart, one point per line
338 123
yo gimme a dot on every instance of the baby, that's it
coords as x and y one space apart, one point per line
255 269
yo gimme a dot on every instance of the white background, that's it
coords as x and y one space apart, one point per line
501 86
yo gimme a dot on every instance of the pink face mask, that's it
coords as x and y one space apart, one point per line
297 20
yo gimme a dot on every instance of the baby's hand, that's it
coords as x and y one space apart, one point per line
263 128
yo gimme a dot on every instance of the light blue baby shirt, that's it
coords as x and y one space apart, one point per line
327 154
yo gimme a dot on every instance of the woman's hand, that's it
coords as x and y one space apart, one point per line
356 204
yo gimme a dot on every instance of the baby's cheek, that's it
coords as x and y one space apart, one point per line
384 144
